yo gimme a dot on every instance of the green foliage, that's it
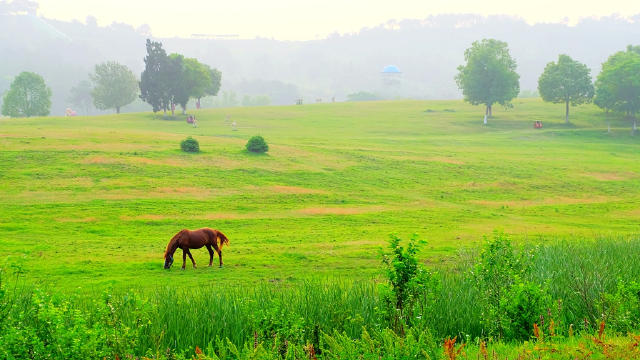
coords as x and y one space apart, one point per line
621 310
338 319
489 75
216 78
197 78
154 82
522 305
177 84
498 268
115 86
257 145
381 345
28 96
618 84
363 96
40 326
409 284
567 81
190 145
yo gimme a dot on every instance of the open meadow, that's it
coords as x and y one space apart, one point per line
88 205
91 202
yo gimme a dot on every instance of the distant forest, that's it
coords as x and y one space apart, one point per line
427 52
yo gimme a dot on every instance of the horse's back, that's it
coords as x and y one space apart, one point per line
198 238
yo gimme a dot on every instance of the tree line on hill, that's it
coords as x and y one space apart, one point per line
489 77
167 81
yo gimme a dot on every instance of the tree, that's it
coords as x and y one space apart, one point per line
28 96
567 81
215 77
618 84
191 79
489 75
177 82
198 78
115 86
154 86
80 96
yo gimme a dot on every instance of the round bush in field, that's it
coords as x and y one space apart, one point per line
257 145
190 145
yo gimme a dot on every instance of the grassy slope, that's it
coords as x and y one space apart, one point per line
90 202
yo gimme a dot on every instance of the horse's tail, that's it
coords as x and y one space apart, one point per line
223 239
173 243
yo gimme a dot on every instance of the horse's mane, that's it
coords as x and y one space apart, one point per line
173 242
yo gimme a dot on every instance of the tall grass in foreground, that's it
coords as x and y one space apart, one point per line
495 293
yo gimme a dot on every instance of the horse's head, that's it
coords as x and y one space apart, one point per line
168 261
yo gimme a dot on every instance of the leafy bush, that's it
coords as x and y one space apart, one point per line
409 284
257 145
498 269
523 305
190 145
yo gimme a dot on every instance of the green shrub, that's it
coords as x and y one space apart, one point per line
523 305
621 310
257 145
498 268
190 145
410 288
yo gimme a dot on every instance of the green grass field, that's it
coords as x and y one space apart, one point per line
91 202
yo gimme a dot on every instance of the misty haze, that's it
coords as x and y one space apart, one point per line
319 180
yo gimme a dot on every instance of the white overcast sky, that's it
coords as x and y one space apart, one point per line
305 20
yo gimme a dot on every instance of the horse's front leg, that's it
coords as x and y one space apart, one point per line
184 258
191 257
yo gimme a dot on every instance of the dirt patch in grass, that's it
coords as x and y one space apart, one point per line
283 189
444 159
154 217
546 201
496 184
337 210
225 216
148 161
99 160
611 176
76 220
184 190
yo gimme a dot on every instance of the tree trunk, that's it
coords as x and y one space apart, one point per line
486 113
566 114
635 126
118 110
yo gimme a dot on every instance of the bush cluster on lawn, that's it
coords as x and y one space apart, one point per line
257 145
190 145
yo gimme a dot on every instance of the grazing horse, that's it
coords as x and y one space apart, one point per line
195 239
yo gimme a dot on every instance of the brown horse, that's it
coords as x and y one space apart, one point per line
194 239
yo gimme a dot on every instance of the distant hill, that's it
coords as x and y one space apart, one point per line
426 52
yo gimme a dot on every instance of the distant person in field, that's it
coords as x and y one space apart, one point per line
195 122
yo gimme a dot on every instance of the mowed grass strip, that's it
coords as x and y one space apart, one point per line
92 201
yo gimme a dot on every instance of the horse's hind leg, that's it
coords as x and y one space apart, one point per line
210 255
191 257
219 251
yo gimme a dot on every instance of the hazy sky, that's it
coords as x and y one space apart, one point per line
304 19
